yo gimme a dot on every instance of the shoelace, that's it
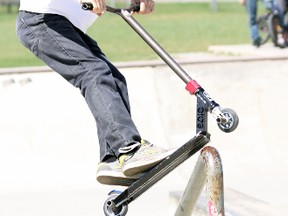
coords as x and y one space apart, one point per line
129 148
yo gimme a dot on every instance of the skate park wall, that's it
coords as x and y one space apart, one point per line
48 139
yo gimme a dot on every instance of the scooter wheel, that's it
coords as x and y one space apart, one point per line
276 30
109 208
232 123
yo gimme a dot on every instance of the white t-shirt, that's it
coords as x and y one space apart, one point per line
71 9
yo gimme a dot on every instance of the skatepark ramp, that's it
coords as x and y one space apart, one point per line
49 147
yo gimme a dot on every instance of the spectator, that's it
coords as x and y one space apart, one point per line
251 8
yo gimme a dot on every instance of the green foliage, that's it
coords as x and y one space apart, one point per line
179 27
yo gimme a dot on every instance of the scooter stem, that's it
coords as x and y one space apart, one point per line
154 45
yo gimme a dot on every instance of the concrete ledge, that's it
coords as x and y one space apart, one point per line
218 54
23 70
266 50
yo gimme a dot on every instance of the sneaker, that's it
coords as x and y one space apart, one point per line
110 173
257 42
143 159
281 42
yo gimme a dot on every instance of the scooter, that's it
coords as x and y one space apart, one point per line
226 119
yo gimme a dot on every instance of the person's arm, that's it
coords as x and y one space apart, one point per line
99 6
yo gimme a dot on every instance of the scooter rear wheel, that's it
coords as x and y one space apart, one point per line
109 208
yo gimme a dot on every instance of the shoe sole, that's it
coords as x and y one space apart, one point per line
108 179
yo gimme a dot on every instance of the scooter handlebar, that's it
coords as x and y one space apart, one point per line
131 8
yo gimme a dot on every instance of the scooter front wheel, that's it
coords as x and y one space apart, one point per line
232 123
110 209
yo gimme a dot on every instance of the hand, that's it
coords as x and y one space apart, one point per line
99 6
242 2
146 6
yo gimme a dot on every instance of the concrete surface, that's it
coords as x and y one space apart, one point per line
49 150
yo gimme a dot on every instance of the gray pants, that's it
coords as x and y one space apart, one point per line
77 58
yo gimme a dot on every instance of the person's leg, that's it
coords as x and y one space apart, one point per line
79 60
61 46
269 4
251 7
283 7
120 84
280 6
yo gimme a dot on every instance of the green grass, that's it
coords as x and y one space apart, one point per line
182 27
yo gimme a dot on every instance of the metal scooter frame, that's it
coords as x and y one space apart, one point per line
227 122
191 85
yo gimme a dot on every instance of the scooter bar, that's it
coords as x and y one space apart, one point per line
131 8
227 122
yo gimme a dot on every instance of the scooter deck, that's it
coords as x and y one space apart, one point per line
162 169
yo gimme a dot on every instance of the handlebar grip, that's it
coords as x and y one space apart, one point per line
132 7
87 6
